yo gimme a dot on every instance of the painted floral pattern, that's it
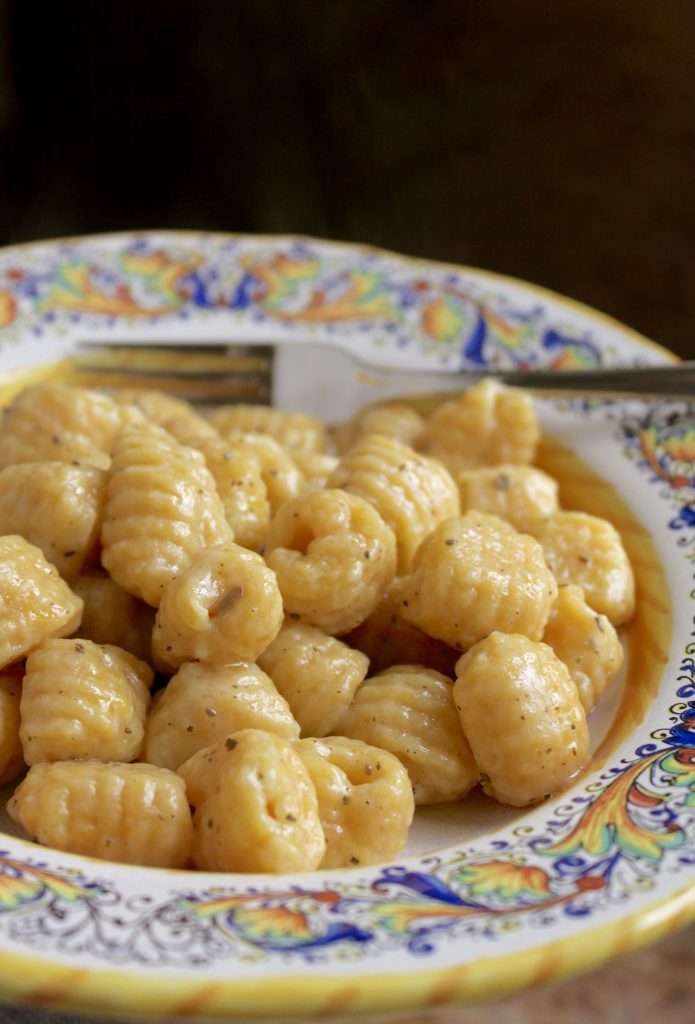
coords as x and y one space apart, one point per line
596 849
325 291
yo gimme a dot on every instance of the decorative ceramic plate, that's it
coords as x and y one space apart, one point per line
485 900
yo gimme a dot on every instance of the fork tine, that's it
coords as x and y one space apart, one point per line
200 374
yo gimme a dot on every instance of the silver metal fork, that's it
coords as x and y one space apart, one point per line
220 373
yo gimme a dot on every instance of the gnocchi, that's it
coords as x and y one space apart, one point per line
134 813
409 711
365 802
486 425
247 641
225 606
162 507
202 703
520 494
520 709
586 642
316 673
587 550
48 422
411 492
67 686
333 555
35 601
58 507
256 807
474 574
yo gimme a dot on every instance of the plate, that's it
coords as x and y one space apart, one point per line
484 902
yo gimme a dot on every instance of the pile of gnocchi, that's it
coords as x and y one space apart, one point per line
250 642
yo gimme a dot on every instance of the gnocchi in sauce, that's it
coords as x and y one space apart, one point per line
251 641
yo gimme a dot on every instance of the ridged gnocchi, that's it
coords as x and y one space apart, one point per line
316 673
110 615
409 711
301 616
520 494
133 813
58 507
296 431
50 422
333 555
202 704
35 601
587 643
488 424
255 806
388 639
588 551
83 700
365 800
177 416
474 574
225 606
392 419
520 711
411 492
240 485
161 508
280 474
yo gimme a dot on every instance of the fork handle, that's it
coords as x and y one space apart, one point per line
670 379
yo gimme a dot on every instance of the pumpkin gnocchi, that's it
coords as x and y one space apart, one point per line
338 623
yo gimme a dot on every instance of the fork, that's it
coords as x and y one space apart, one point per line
312 376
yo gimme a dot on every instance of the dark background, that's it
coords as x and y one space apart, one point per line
554 141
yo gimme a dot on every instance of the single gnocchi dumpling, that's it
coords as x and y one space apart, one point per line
35 601
474 574
112 616
296 431
488 424
392 419
58 507
411 492
317 674
83 700
56 422
521 712
520 494
333 555
175 415
202 704
224 607
587 643
279 472
365 800
241 488
130 813
255 806
387 639
588 551
409 711
11 755
161 508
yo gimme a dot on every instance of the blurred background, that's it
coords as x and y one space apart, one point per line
551 141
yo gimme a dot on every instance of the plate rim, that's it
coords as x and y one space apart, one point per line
430 986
